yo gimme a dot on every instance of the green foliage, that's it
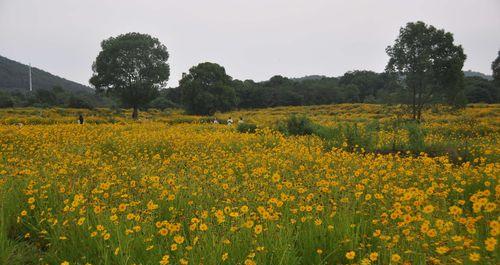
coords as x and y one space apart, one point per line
416 137
46 97
162 103
409 137
6 100
246 128
14 249
79 102
367 83
480 90
495 67
207 89
297 125
460 101
430 63
132 67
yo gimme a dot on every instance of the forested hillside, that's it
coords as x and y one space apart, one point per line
14 76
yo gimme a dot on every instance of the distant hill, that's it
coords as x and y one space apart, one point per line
470 73
14 76
308 77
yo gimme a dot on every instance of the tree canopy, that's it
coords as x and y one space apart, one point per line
478 89
430 63
207 89
132 67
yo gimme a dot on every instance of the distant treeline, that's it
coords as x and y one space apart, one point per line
352 87
55 97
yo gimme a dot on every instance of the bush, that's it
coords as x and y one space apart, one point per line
460 101
246 128
79 103
298 125
416 139
355 137
162 103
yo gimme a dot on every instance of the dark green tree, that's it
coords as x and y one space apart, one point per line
132 67
6 100
162 102
368 82
45 98
478 89
495 67
60 94
430 63
79 102
207 89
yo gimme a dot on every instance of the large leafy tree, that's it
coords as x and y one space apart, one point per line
207 89
132 67
430 63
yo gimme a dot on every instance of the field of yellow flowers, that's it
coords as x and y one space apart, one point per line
173 189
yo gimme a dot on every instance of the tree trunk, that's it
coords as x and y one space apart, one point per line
135 113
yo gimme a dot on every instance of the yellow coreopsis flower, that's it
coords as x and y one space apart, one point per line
490 243
428 209
474 256
350 255
258 229
165 260
179 239
395 258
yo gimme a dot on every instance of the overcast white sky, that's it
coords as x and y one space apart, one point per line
252 39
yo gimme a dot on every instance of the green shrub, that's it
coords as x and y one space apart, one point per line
79 103
246 128
299 125
416 141
163 103
352 135
6 100
331 135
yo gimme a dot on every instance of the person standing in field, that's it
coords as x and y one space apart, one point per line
80 119
240 121
216 121
229 121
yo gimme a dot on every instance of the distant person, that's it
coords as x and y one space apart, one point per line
80 119
229 121
240 121
216 121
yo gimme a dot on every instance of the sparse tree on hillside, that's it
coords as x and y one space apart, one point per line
133 67
430 63
207 89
